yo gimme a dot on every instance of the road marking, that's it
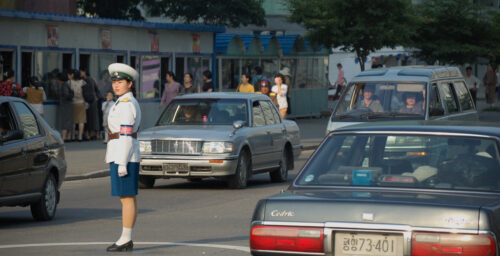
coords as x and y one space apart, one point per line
221 246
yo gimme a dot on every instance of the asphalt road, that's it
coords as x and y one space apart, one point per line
177 217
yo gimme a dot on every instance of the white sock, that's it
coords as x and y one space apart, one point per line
126 236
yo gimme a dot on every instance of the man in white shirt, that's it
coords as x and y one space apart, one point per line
472 83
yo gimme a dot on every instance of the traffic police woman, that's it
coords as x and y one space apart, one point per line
122 151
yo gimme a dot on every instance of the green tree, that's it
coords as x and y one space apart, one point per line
114 9
453 32
359 26
232 13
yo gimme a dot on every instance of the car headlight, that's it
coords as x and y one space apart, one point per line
145 147
217 147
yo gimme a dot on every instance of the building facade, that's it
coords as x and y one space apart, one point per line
42 45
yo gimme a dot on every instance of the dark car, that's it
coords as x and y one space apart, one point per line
395 188
32 164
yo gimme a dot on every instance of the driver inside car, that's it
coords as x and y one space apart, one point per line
369 100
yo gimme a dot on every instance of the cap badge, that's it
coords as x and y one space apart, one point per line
115 74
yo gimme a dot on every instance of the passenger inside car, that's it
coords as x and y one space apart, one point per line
412 105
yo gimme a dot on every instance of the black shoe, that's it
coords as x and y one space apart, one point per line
126 247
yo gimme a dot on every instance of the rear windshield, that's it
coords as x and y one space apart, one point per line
430 162
381 100
204 111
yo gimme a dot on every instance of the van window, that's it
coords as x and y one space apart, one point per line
435 102
448 96
463 95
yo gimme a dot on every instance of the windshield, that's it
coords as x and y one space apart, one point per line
422 161
382 100
204 111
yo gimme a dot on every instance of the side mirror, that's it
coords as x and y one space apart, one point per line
12 135
238 124
436 111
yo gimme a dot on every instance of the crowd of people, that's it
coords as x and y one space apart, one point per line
259 83
84 102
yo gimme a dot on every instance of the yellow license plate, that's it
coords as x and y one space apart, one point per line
361 244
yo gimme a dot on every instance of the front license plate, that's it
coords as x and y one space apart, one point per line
361 244
175 167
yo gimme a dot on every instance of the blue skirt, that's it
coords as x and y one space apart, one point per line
126 185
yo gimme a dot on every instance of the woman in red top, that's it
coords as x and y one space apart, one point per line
10 88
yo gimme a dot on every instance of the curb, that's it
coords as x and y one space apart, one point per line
90 175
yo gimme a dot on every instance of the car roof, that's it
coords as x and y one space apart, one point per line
224 95
10 99
409 73
437 126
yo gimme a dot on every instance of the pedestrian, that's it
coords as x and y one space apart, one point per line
472 83
35 94
10 88
122 152
106 106
280 89
265 88
188 86
65 109
245 86
171 90
208 85
91 95
490 83
79 114
340 82
257 76
288 81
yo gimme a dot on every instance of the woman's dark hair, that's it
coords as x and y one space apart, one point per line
9 73
280 76
189 74
170 73
76 74
62 77
248 76
258 70
33 80
207 74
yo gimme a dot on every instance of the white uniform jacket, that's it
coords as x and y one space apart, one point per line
124 117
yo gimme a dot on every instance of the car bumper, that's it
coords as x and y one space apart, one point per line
190 167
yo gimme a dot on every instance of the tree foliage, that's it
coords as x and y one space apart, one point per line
232 13
453 32
114 9
360 26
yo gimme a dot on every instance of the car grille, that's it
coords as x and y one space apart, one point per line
180 147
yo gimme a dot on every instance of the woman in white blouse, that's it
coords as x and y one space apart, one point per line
280 89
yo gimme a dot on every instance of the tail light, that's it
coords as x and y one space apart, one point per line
433 244
296 239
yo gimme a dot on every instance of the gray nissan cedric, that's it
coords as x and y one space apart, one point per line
395 188
225 135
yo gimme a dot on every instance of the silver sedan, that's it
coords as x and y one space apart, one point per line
223 135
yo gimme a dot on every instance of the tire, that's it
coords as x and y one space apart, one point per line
240 178
45 209
146 181
281 174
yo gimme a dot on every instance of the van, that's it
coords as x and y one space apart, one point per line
404 93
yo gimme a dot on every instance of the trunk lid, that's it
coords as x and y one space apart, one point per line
422 209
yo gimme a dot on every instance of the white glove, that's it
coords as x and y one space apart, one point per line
122 170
